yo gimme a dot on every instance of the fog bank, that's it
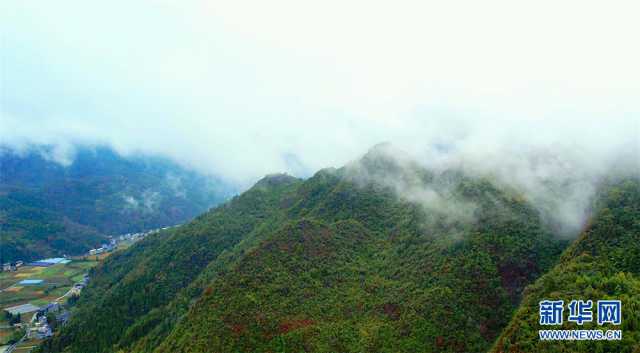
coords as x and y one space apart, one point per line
544 95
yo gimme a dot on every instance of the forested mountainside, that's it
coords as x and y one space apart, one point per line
603 263
49 209
335 263
30 229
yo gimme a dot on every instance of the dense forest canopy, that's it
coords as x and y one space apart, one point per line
341 262
603 263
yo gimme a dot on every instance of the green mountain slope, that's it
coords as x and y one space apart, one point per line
142 280
336 263
604 263
28 228
49 209
374 280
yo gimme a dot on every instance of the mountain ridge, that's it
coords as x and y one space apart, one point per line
407 260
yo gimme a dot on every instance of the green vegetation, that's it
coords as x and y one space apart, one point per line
50 210
336 263
29 229
11 319
12 337
58 279
136 284
52 320
374 280
340 263
604 263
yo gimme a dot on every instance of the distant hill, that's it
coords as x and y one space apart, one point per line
51 209
335 263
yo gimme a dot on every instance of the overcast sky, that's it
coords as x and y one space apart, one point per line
243 88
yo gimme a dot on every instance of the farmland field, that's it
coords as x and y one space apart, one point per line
57 280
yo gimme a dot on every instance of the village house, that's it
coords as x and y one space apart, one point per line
8 267
41 329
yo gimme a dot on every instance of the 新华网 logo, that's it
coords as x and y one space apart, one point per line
551 312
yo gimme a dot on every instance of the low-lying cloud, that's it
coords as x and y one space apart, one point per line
147 202
535 94
561 188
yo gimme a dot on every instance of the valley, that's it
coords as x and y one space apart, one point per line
30 289
36 298
50 210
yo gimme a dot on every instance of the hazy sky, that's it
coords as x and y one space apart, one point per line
244 88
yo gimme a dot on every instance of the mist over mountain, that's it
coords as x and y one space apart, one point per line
52 208
348 176
242 94
367 257
604 262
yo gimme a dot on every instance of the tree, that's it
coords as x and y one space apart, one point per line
52 320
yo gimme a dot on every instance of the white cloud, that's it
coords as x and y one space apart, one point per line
239 87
